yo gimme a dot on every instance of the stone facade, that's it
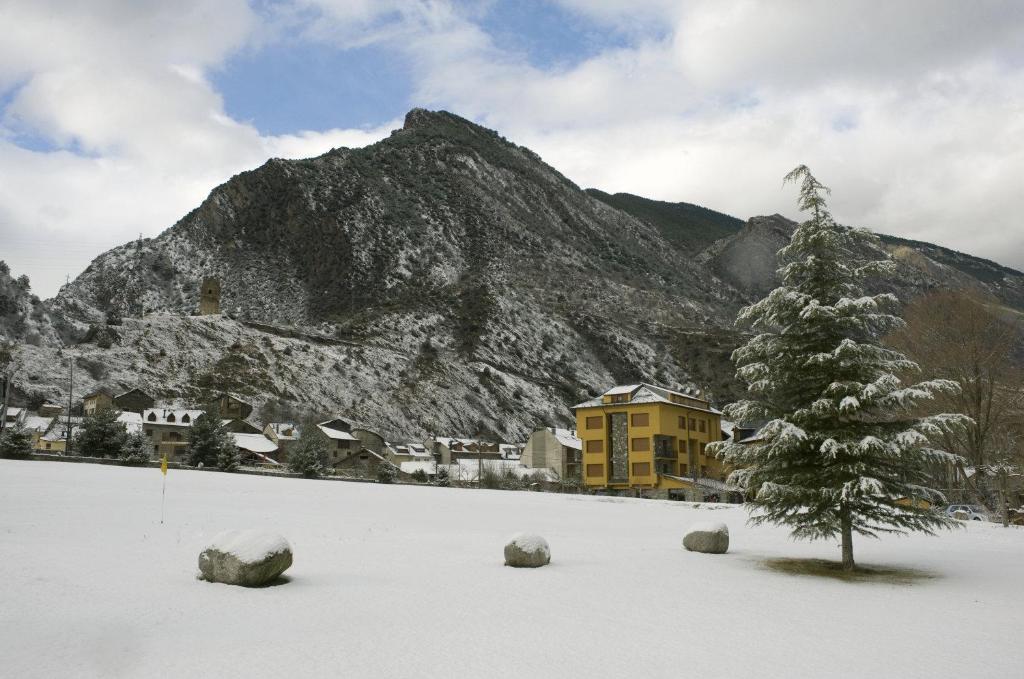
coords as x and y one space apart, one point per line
209 297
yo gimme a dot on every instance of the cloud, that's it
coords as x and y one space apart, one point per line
130 134
912 111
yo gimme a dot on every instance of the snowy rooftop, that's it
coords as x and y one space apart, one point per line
710 484
254 443
132 421
182 417
37 423
336 434
279 429
649 393
469 470
413 466
568 438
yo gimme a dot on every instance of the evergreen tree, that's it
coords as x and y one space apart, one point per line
101 435
442 477
209 442
841 446
15 441
228 458
135 449
309 456
386 472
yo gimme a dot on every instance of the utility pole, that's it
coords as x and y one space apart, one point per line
71 390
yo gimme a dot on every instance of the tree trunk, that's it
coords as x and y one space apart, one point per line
1004 506
846 524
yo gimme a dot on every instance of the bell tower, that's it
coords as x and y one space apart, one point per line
209 297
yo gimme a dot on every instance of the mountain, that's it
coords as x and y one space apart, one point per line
441 281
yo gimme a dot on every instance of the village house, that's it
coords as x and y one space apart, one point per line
446 450
50 409
557 449
237 426
650 441
37 426
341 442
428 467
167 430
97 402
229 407
510 451
133 401
362 464
14 416
55 440
255 449
284 435
408 452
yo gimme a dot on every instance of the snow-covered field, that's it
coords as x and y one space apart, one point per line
401 581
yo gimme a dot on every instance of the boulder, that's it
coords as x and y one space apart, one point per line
707 537
527 551
250 558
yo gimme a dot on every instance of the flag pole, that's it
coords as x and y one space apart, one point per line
163 490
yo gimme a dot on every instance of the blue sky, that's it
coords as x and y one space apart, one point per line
118 117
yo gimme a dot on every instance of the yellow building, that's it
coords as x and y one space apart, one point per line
651 441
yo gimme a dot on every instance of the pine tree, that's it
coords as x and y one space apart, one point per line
386 472
841 446
135 449
309 456
15 441
228 458
209 443
101 435
442 479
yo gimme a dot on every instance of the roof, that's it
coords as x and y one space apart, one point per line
102 391
413 466
412 450
37 423
254 443
336 434
163 413
131 391
648 393
468 470
14 412
132 421
59 430
278 427
568 438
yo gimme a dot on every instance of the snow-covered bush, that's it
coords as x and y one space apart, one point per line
386 473
15 441
135 449
210 443
101 435
442 477
309 456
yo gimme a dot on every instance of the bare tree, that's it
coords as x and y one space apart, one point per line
973 341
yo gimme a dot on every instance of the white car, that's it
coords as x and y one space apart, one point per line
974 512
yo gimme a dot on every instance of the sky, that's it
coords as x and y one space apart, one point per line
117 117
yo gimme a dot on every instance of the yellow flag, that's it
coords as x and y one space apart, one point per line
163 465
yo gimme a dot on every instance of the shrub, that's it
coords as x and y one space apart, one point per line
420 476
134 450
309 456
101 435
15 441
442 477
386 473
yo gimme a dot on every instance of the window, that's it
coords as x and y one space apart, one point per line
47 446
173 436
620 398
693 424
703 425
595 470
703 447
152 417
641 469
683 469
682 422
595 446
156 449
171 418
595 422
149 433
682 445
640 445
693 446
640 420
185 418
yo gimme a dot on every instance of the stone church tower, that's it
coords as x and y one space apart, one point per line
209 297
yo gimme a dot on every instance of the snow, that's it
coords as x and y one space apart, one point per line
530 542
336 434
255 443
708 527
95 586
249 545
568 438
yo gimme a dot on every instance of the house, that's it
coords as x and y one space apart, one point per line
448 450
362 464
50 409
409 452
167 430
341 442
255 449
651 441
429 468
284 435
229 407
97 402
557 449
510 451
469 471
14 416
133 401
132 422
238 426
55 440
37 426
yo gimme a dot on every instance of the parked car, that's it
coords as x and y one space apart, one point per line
974 512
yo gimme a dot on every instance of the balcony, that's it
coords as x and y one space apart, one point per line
664 447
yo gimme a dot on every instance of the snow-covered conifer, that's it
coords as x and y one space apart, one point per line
842 445
210 443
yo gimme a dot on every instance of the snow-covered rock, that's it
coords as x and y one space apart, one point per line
525 550
709 537
250 558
